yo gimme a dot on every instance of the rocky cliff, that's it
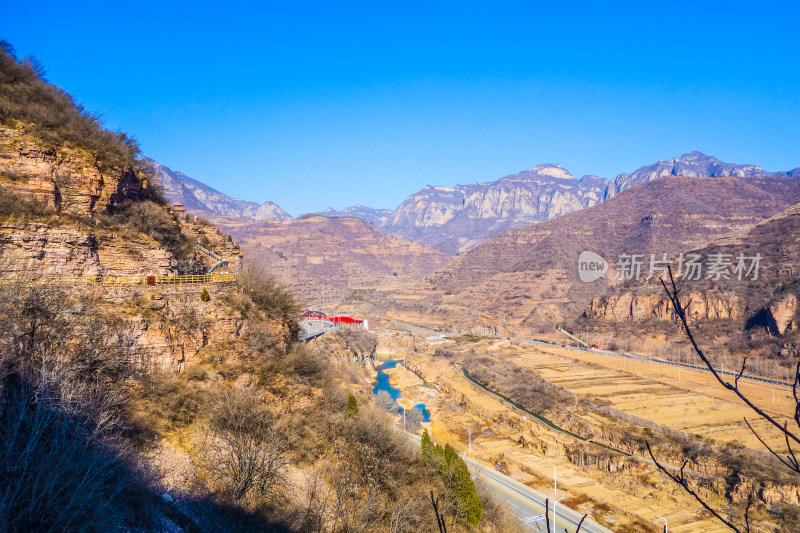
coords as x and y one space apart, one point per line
67 180
694 165
37 249
454 219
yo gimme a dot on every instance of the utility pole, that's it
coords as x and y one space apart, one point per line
469 451
555 493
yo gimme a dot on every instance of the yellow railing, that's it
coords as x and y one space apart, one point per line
120 280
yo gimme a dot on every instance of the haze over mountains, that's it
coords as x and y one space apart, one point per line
456 219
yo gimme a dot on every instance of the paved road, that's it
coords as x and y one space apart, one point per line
524 502
311 329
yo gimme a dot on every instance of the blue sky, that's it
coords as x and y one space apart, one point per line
313 105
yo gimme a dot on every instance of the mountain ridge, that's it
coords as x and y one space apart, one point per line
529 275
202 199
454 219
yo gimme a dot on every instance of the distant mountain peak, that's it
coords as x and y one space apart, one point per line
202 199
694 164
550 169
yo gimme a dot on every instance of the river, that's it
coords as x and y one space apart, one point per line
382 384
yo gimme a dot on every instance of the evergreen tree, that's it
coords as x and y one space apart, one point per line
352 406
428 451
453 471
464 491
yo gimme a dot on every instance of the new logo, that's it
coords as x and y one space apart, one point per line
591 267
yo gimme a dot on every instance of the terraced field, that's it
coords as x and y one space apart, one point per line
677 398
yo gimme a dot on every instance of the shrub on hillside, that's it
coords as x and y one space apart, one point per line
270 296
61 416
55 472
359 340
53 116
249 453
11 205
155 221
518 383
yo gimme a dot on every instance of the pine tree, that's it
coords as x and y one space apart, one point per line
458 479
452 469
352 406
465 492
428 450
204 296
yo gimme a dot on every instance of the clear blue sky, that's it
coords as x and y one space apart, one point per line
330 104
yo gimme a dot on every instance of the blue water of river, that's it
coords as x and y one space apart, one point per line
382 384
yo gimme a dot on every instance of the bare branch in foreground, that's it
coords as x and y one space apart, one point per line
681 480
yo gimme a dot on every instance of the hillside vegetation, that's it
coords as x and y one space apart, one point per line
178 408
27 100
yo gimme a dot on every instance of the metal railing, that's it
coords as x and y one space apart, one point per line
120 280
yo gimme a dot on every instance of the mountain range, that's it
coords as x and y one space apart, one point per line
203 200
458 218
526 280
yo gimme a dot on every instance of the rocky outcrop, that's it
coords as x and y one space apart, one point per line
781 313
454 219
629 306
170 325
199 198
35 249
66 180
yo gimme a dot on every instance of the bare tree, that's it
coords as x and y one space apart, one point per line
250 452
414 418
384 400
60 417
439 516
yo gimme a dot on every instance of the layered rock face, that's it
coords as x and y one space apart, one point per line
629 306
66 181
34 249
454 219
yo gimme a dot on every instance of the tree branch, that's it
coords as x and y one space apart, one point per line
680 311
684 483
